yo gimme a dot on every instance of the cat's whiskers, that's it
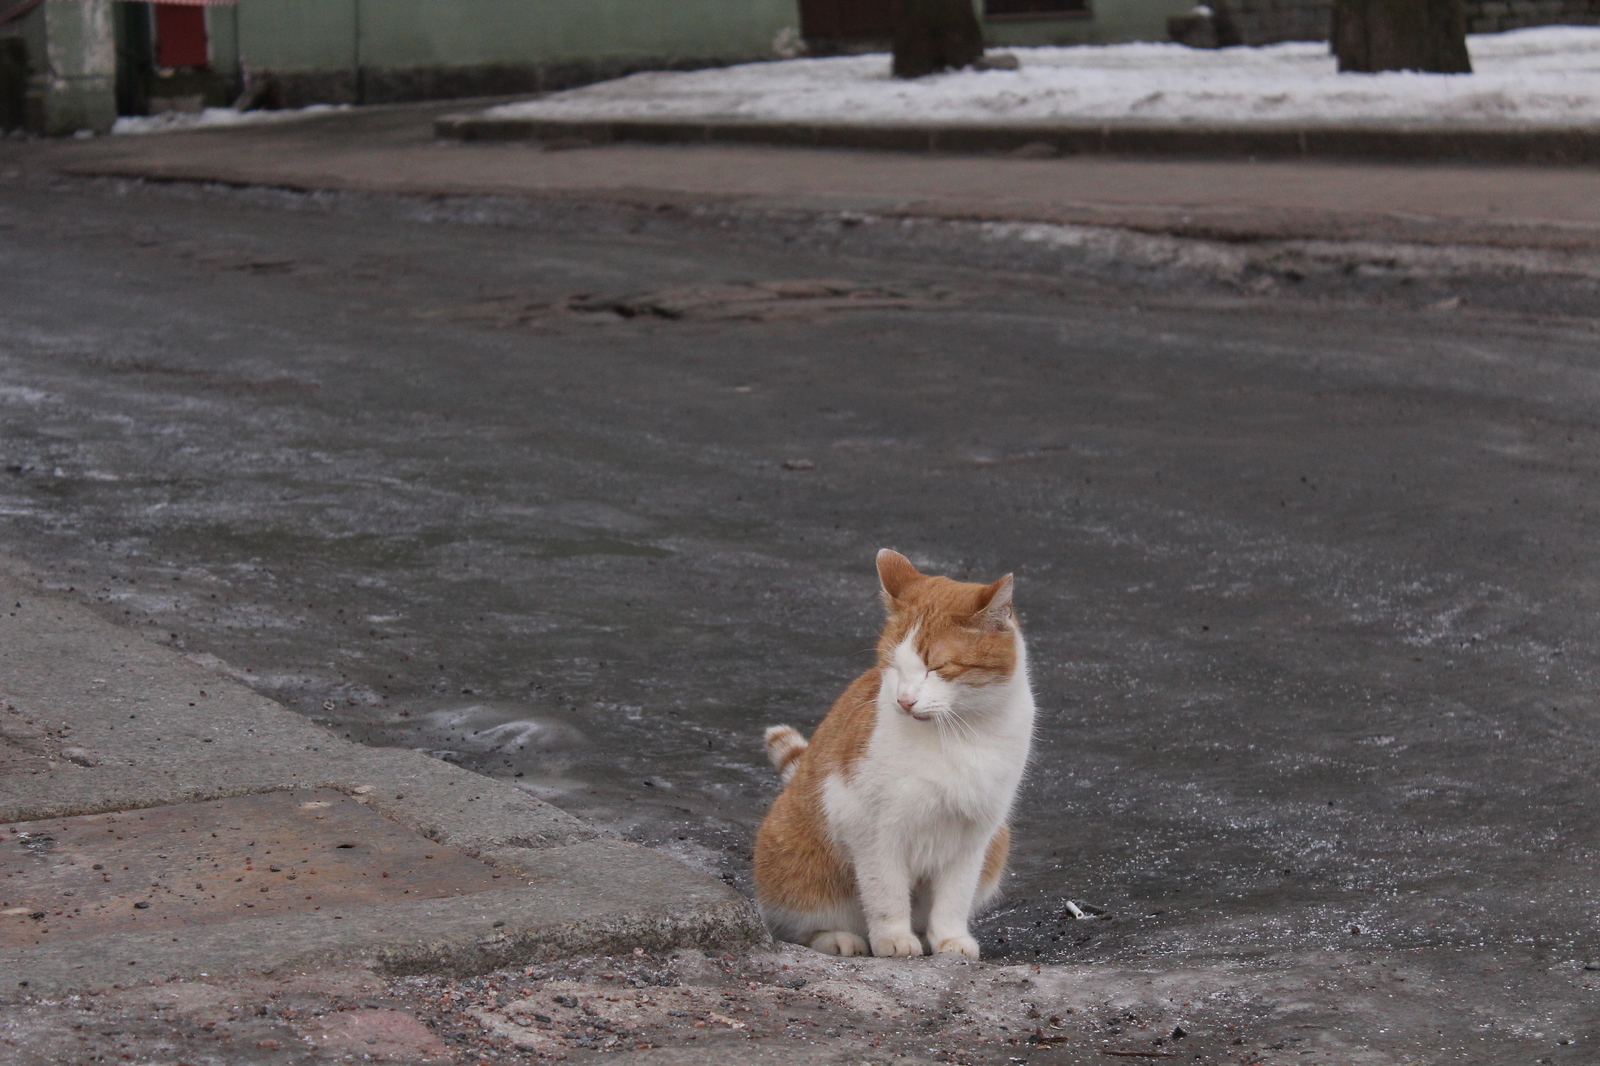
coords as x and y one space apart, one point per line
968 730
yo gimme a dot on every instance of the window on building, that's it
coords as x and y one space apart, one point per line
1033 8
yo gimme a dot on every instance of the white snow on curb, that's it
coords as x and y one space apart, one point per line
172 121
1548 76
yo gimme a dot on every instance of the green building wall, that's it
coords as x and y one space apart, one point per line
373 51
72 66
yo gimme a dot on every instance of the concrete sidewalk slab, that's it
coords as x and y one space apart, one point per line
1564 146
176 867
152 735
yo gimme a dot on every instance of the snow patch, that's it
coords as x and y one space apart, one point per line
21 394
1546 76
175 121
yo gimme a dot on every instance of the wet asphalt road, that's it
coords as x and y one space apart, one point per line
1310 587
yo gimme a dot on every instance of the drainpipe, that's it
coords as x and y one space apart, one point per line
361 76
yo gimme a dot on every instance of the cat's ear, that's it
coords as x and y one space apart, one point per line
895 573
995 614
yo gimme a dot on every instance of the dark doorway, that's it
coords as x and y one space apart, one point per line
135 57
164 60
13 83
839 25
999 9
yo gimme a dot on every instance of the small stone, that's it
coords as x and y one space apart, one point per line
143 904
1036 150
799 464
1179 1032
268 1043
997 61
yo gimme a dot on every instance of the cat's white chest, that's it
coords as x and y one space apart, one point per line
972 778
917 779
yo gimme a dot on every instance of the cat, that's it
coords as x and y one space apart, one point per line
892 829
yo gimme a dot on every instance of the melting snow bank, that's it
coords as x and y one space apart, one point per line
171 121
1549 76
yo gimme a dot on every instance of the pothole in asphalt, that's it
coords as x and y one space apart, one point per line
756 301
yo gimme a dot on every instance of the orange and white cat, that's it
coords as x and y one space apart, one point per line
891 831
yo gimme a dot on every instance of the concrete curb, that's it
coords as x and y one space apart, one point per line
1568 146
126 724
603 898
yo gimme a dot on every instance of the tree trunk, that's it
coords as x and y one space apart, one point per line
935 35
1426 35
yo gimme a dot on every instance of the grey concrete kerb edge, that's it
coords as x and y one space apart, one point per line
1566 146
159 728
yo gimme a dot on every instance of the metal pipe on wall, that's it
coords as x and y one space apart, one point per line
355 46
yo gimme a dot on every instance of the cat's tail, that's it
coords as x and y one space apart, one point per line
785 745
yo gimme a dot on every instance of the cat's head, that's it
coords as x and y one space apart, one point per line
948 646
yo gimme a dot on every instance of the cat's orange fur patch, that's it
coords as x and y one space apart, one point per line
994 859
797 866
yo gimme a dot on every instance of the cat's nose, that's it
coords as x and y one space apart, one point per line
907 702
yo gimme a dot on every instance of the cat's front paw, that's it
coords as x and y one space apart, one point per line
838 942
958 945
896 944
